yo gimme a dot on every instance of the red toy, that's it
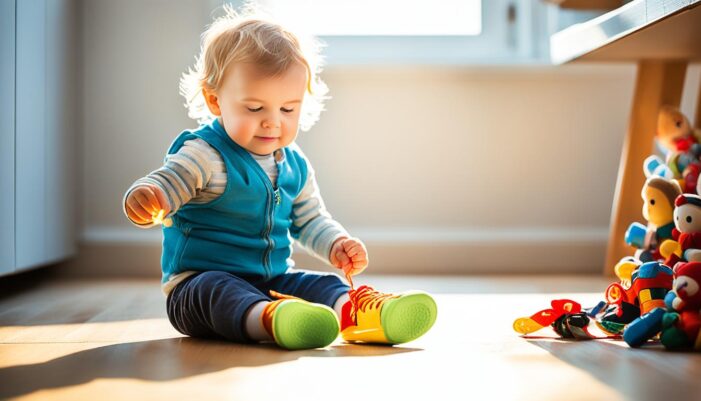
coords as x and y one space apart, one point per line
687 232
682 324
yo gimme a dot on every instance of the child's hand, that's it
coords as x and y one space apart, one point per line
350 255
144 203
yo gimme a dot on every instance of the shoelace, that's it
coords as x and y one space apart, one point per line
365 297
350 280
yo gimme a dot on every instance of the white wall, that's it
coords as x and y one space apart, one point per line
443 168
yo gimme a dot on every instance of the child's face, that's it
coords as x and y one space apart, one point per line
260 113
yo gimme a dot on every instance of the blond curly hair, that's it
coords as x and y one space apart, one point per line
251 37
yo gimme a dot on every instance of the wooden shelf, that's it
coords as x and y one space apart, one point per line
642 29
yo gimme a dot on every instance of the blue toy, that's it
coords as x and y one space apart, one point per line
654 166
635 235
644 328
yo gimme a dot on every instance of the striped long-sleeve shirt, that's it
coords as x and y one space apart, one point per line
197 174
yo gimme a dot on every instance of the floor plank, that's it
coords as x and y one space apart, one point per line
109 340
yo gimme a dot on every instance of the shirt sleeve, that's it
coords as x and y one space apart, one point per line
312 225
183 177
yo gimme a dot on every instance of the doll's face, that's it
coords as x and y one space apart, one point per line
260 113
657 209
687 218
685 287
672 125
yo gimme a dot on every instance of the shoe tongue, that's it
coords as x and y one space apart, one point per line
347 318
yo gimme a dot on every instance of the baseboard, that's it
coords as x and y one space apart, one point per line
133 252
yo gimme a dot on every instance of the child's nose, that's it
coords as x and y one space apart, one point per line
271 122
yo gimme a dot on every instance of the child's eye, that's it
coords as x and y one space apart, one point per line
284 110
255 110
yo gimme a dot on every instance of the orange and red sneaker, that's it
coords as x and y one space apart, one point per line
374 317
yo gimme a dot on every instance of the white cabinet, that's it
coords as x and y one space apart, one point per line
7 136
38 123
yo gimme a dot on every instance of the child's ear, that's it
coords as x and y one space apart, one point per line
212 101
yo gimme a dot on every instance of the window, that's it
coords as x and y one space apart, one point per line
384 18
447 32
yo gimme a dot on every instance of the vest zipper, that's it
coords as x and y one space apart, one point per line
266 234
274 199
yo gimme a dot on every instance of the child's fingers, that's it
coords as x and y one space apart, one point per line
351 243
138 210
134 217
354 269
354 250
152 199
142 197
342 258
361 257
349 270
162 199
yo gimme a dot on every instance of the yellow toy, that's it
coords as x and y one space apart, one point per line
658 209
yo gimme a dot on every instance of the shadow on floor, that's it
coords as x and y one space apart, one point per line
647 373
162 360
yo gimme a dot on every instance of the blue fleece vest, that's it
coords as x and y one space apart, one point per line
246 230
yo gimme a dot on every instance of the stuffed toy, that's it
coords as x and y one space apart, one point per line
681 142
678 323
658 196
682 322
686 243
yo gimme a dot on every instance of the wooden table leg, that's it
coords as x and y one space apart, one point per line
657 83
697 117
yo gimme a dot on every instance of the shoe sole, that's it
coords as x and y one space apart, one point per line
408 317
301 325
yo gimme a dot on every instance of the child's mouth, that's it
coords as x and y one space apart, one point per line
267 138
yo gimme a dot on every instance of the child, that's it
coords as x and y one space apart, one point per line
237 190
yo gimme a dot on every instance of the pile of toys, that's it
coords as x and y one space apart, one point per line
657 295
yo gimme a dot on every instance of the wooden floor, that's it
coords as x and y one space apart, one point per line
103 340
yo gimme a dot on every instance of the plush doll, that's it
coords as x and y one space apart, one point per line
658 196
686 246
682 323
629 297
681 141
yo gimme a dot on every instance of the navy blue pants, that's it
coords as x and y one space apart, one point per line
213 304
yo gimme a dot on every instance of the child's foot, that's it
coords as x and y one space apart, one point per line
375 317
297 324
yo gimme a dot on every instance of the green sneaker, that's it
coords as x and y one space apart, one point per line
297 324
